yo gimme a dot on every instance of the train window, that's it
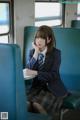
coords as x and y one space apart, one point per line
4 39
48 13
4 22
78 11
4 18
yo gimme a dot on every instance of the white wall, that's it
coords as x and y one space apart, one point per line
23 16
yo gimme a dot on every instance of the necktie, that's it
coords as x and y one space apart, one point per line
40 61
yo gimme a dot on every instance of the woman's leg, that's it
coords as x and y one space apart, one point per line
39 108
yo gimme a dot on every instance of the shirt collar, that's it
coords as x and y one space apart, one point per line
44 51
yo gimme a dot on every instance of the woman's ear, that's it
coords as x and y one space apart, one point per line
48 40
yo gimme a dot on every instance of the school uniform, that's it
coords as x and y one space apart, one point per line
47 84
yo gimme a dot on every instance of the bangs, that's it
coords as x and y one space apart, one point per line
41 34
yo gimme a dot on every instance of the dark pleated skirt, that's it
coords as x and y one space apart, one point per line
46 99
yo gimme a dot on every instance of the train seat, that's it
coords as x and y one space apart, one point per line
75 24
72 102
11 83
12 88
68 41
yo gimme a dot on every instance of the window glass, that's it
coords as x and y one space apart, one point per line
4 18
50 22
48 13
78 11
4 22
4 39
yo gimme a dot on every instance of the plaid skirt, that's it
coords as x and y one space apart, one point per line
46 99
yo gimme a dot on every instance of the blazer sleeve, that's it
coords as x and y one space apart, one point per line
53 74
31 60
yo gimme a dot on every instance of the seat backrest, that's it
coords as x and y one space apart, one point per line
12 94
29 33
68 41
75 24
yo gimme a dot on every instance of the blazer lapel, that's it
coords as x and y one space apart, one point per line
48 62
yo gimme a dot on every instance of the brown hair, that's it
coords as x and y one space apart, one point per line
46 32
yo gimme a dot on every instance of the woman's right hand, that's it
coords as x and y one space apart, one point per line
35 47
37 51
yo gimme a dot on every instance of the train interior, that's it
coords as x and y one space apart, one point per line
19 21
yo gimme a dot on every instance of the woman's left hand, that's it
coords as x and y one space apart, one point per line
29 72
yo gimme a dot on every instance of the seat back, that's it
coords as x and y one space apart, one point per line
75 23
68 41
12 95
29 33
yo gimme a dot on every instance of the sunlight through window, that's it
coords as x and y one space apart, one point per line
48 13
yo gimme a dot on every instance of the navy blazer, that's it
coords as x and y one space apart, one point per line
49 74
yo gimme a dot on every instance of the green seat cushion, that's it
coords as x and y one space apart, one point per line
37 116
72 102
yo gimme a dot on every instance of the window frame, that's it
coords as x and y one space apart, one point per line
69 1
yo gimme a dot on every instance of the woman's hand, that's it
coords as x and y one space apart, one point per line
35 47
29 72
37 51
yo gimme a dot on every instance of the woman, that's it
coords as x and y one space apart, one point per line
47 90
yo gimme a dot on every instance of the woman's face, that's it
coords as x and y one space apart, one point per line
40 43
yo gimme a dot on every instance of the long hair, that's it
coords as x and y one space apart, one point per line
46 32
